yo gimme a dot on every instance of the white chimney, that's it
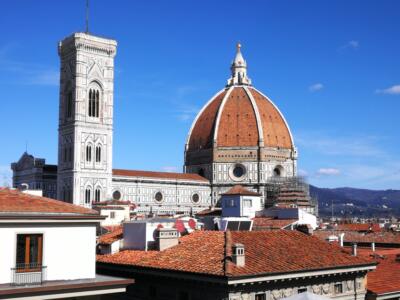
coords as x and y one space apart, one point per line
341 239
166 238
354 249
238 256
373 246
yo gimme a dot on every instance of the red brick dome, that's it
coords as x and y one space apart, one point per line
239 116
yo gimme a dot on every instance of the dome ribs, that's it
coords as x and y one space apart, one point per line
238 125
203 131
275 129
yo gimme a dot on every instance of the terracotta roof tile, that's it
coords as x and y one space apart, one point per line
162 175
111 237
16 202
276 133
359 227
240 190
386 277
264 223
357 237
238 123
203 131
203 252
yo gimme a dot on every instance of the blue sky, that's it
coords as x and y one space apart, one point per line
332 67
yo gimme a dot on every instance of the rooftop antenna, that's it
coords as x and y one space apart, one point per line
26 146
87 16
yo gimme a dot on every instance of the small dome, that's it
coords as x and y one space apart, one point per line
239 116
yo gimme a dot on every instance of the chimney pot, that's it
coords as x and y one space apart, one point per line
238 256
166 238
354 249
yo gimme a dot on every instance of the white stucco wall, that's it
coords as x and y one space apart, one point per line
68 249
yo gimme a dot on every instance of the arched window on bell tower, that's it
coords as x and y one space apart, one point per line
88 153
94 102
87 195
97 195
98 154
69 105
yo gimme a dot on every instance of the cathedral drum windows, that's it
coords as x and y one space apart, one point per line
195 198
158 197
116 195
278 171
237 172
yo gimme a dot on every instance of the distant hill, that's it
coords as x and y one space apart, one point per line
357 202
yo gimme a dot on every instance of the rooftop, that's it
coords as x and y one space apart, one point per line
158 175
14 202
240 190
209 253
111 237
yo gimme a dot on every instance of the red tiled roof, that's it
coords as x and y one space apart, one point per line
112 202
357 237
210 212
111 237
162 175
266 252
264 223
386 277
237 124
358 227
240 190
16 202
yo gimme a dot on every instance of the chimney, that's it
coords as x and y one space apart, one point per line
341 239
238 256
354 249
373 246
166 238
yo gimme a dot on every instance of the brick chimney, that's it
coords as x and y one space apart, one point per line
238 256
166 238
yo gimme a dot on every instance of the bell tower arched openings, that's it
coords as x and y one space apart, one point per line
94 97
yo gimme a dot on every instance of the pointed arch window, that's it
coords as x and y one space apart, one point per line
94 103
98 154
88 153
87 196
97 194
68 108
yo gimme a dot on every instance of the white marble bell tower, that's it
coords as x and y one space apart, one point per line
85 133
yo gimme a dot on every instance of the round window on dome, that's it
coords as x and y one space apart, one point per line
117 195
158 196
195 198
278 171
238 171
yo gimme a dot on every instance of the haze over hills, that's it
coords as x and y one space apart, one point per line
348 202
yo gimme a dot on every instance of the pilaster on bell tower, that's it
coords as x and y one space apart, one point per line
85 118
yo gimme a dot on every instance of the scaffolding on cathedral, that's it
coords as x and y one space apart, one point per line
290 192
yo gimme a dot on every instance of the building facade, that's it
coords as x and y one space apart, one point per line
239 137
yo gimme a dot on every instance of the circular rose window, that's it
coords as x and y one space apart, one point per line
158 197
195 198
117 195
238 171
